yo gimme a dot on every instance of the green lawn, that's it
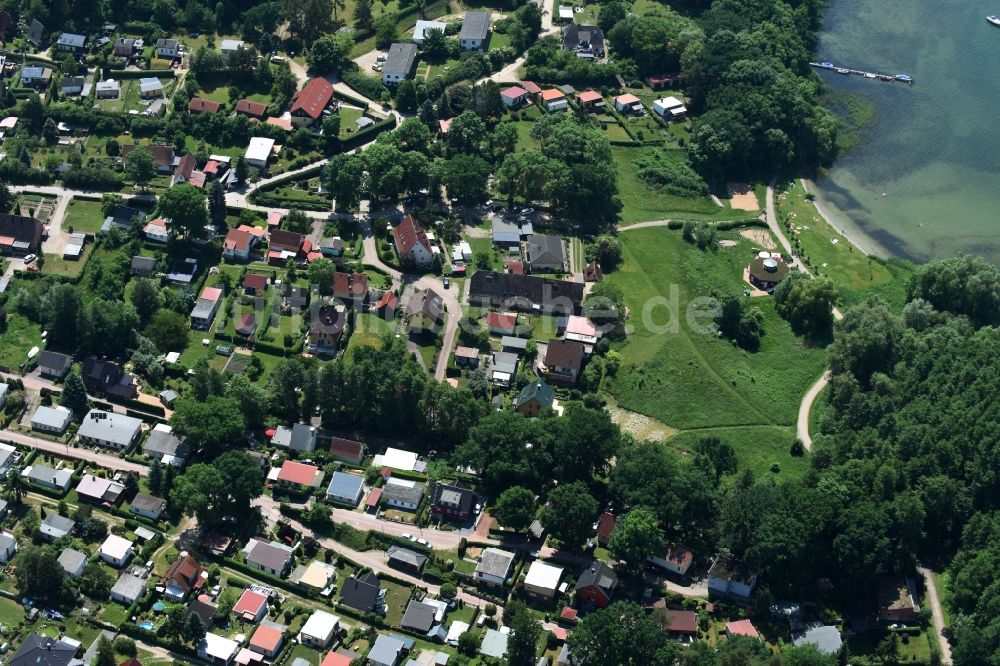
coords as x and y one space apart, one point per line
757 448
481 246
11 612
396 598
642 203
55 264
857 275
307 653
498 40
84 216
368 330
20 336
690 379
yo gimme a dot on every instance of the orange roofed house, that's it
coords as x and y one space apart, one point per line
590 100
554 100
300 474
412 244
309 103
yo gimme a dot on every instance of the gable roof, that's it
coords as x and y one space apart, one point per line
564 354
20 232
300 473
313 98
598 575
407 556
475 25
606 524
53 360
514 92
251 108
404 493
43 651
285 239
426 302
539 391
682 621
495 562
185 573
346 448
399 60
360 593
409 233
535 290
203 105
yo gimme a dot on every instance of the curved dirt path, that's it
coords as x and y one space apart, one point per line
802 424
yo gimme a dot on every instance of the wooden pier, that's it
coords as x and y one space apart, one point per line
875 76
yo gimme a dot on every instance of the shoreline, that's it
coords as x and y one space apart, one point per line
868 246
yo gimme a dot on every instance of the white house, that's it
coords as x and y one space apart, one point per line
494 567
109 89
319 629
217 649
109 429
150 87
421 30
231 45
412 244
554 100
397 459
542 580
628 103
675 559
167 48
158 230
475 31
128 589
51 419
729 577
669 108
8 547
402 494
116 551
259 151
73 562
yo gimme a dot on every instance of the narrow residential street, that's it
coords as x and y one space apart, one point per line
96 457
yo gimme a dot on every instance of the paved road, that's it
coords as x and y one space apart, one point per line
95 457
936 613
509 73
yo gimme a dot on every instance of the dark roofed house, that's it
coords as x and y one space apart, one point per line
402 494
271 558
545 254
362 593
103 377
308 104
564 360
452 501
524 292
54 365
44 651
534 399
596 585
148 506
593 272
766 272
143 266
19 235
682 623
327 328
123 217
424 311
897 599
586 41
419 617
347 450
404 558
728 577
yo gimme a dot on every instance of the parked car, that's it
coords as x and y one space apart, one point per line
381 57
29 259
447 282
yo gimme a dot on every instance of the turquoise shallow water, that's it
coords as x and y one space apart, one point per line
925 180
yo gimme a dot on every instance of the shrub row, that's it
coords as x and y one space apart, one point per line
123 74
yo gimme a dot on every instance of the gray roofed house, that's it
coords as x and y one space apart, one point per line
123 217
35 32
51 478
475 30
510 233
402 496
361 593
513 345
386 651
494 566
56 527
168 397
71 85
587 41
109 429
503 366
399 63
162 443
72 561
270 557
494 644
300 437
128 589
346 488
70 42
53 364
406 558
8 546
148 505
419 617
545 254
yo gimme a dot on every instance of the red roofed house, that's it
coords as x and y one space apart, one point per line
300 474
386 306
347 450
267 640
19 235
183 170
237 245
514 97
501 323
336 659
371 504
254 283
742 628
605 526
350 287
412 245
515 267
206 307
308 104
554 100
199 105
283 123
253 109
162 155
198 179
531 87
251 606
675 559
569 614
184 575
682 623
590 99
284 245
274 218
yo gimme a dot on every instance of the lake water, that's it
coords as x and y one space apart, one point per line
925 180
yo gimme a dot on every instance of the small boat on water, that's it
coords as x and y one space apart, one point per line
993 20
905 78
826 65
884 77
843 70
869 75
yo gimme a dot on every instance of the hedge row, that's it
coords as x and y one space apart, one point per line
140 73
275 201
368 134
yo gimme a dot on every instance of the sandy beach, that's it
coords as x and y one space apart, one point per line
844 225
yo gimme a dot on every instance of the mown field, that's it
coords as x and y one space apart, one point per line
690 379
